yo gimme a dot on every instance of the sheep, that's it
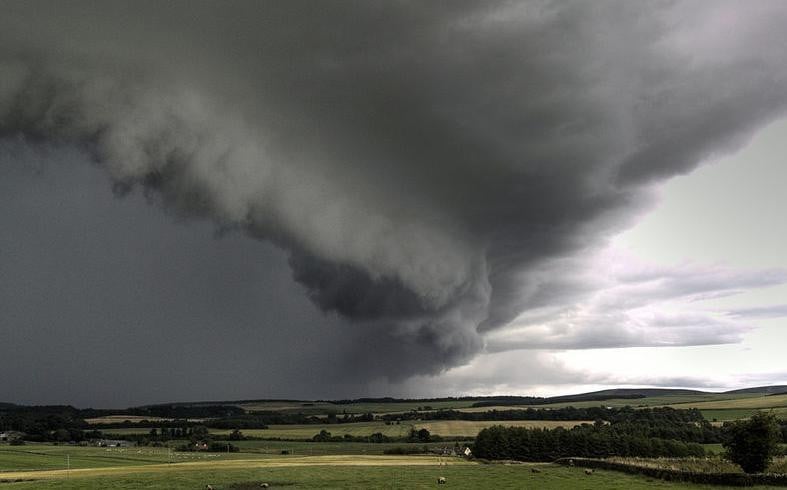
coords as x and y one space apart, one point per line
264 485
588 472
441 480
535 470
208 487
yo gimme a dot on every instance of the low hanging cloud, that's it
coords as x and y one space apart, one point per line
630 303
432 170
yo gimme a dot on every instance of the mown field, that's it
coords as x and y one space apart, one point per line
309 448
33 456
445 428
352 408
115 419
750 402
333 472
717 406
650 401
471 428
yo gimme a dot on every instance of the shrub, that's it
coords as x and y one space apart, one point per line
753 443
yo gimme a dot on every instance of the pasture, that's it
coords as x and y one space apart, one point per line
345 472
352 408
444 428
750 402
119 419
650 401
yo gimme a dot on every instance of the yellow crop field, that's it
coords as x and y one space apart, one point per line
470 428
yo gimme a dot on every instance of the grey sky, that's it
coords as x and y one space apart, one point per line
401 188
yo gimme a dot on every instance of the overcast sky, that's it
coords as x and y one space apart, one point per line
238 200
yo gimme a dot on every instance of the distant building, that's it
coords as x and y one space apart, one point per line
113 443
11 435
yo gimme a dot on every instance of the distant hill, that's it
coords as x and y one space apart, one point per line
593 396
207 409
624 393
488 401
763 390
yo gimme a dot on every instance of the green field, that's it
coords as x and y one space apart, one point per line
718 449
345 472
309 448
445 428
40 456
651 401
720 407
351 408
752 402
725 414
302 431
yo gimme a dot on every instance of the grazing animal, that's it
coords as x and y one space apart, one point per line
441 480
208 487
588 472
264 485
535 470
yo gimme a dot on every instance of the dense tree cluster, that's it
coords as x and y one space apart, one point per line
46 423
377 437
591 441
262 419
662 422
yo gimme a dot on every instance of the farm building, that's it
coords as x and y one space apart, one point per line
113 443
11 435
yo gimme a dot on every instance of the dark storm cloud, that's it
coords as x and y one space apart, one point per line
421 163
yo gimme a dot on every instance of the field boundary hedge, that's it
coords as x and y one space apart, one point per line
730 479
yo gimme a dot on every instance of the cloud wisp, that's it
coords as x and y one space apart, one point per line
629 303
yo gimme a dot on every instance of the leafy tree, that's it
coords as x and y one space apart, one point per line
200 433
323 436
422 435
753 443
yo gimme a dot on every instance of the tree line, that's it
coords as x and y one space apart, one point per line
589 441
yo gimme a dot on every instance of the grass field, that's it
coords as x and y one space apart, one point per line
309 448
114 419
447 428
725 414
651 401
40 456
347 472
750 402
353 408
718 449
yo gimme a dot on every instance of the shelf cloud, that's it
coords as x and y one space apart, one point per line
431 170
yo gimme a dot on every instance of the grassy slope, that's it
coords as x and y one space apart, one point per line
40 456
355 408
448 428
752 402
384 473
